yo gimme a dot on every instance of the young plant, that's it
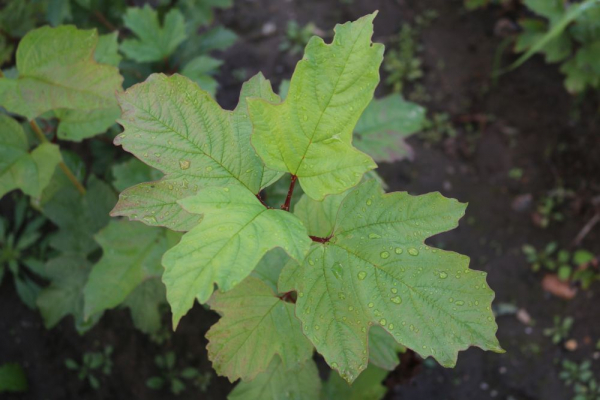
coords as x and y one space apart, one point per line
579 266
561 329
173 378
351 258
23 250
296 37
566 33
91 365
581 377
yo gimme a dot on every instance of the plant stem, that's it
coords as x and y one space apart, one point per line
319 239
288 199
105 21
40 135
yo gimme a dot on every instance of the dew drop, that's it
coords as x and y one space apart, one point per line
362 275
334 365
413 252
369 202
371 305
374 236
382 321
342 296
209 168
394 290
338 272
398 250
397 300
443 275
184 164
459 303
384 254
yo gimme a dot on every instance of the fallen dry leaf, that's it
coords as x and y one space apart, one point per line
559 288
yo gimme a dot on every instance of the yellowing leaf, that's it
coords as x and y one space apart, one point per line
255 326
19 169
376 270
235 233
155 42
310 133
174 126
57 70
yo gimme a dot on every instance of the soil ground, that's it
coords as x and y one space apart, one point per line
527 113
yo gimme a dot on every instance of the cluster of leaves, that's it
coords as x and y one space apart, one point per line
580 266
64 83
340 267
566 32
91 364
581 377
353 261
561 329
571 32
403 63
174 378
296 37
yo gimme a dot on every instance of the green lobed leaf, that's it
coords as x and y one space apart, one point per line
310 133
386 122
383 349
255 326
376 270
270 266
235 233
20 169
174 126
200 70
278 383
79 217
76 125
145 303
12 378
68 274
57 70
154 42
132 172
368 386
132 253
107 49
557 49
201 11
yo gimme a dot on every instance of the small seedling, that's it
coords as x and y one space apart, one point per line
296 37
92 364
21 249
579 266
561 329
581 377
175 378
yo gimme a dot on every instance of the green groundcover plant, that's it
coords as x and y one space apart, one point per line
334 265
565 32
